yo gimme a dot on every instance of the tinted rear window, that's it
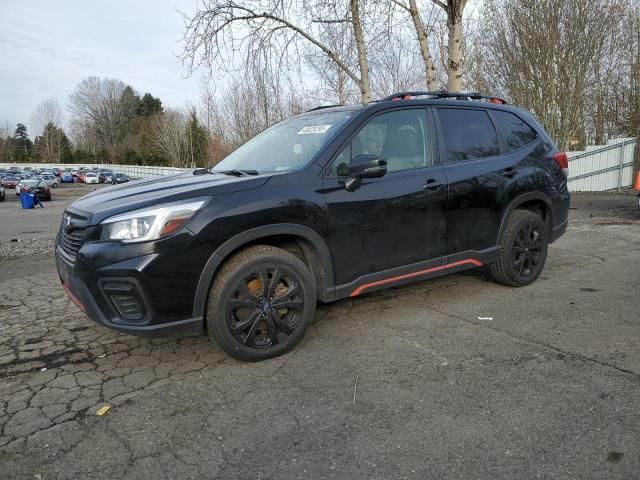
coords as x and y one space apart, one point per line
517 133
468 134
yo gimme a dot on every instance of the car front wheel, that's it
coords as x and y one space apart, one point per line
523 249
260 304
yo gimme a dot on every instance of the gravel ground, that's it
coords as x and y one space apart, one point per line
412 382
24 247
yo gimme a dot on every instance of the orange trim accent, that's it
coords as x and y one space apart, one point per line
361 288
73 298
637 184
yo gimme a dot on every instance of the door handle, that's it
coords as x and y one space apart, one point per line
509 172
432 183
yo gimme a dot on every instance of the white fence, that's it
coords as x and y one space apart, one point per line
598 168
602 167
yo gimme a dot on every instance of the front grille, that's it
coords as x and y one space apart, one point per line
72 241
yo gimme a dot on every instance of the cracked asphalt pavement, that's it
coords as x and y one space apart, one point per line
456 377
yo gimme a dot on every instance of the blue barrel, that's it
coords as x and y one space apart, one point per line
26 200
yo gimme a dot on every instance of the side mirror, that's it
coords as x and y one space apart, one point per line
365 166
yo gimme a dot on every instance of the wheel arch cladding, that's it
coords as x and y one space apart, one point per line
300 240
537 202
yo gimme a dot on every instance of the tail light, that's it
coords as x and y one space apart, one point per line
562 161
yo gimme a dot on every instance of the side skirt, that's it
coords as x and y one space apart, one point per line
416 272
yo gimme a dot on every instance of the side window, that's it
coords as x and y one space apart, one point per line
468 134
517 133
401 137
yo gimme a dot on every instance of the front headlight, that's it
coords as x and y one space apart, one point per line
149 223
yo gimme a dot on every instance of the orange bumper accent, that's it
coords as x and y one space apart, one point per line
73 298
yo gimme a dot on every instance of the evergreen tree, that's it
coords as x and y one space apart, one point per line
22 144
149 105
196 139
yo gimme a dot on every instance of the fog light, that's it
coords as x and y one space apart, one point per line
128 306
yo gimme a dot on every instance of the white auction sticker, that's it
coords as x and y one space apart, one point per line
314 129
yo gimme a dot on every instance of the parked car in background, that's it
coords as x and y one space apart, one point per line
80 176
57 171
37 186
49 180
91 177
66 177
106 176
119 178
10 181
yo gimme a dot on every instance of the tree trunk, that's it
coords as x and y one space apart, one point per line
455 62
363 82
429 69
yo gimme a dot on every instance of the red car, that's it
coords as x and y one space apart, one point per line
57 172
10 182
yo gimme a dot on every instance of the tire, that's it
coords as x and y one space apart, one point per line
523 250
241 299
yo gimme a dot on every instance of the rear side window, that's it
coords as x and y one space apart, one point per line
468 134
517 133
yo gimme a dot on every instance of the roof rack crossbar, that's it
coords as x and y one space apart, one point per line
444 94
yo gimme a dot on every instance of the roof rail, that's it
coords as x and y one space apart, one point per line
325 106
444 94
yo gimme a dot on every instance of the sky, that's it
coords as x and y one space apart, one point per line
47 47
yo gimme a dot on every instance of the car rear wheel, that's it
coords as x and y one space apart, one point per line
261 303
523 250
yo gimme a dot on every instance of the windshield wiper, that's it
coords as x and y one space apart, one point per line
237 173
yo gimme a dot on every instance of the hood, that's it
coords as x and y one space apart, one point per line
113 200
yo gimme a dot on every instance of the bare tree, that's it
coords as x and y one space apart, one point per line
455 47
6 142
335 84
167 133
395 68
277 28
47 118
422 33
630 92
105 108
542 56
207 103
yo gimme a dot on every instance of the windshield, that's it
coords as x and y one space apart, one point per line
288 145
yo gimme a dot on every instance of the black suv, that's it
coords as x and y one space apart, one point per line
334 203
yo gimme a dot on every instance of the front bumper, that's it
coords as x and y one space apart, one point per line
104 276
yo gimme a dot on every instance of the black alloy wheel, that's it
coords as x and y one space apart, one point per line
527 249
260 304
265 307
523 249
